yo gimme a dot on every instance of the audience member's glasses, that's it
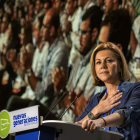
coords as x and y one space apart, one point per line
83 33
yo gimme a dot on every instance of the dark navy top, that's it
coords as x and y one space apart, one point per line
129 107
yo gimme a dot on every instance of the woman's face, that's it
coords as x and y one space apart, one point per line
107 66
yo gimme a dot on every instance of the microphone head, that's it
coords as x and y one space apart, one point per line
80 93
64 94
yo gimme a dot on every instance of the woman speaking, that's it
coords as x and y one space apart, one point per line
117 107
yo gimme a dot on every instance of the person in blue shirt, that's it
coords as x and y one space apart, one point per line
117 108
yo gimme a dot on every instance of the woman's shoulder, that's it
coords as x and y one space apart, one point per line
127 83
127 86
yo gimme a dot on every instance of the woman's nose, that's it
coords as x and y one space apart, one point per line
103 65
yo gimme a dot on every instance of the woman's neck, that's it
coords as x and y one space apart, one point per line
112 87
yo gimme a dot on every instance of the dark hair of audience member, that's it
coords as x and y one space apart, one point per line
93 13
120 29
1 10
63 1
15 42
31 3
11 10
22 12
55 20
49 2
120 2
28 32
41 21
8 17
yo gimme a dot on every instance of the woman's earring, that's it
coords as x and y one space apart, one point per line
121 74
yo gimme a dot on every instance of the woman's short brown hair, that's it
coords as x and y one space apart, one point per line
124 76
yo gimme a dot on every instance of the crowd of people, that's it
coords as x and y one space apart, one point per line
46 46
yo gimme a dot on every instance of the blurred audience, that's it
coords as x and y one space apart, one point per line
56 53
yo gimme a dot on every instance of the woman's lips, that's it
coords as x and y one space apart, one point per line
104 72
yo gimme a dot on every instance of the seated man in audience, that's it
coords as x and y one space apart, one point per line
80 78
56 56
38 58
83 6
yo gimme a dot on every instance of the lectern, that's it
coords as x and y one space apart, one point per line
72 131
26 125
60 130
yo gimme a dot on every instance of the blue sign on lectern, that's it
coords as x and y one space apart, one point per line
25 123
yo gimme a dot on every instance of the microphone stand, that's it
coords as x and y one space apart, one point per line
71 104
65 93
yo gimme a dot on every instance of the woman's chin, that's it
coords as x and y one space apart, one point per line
106 79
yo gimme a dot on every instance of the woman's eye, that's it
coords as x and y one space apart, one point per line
109 60
98 62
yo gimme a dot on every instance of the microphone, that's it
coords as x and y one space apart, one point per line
65 93
71 104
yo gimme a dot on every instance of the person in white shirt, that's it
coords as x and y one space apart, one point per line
38 58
